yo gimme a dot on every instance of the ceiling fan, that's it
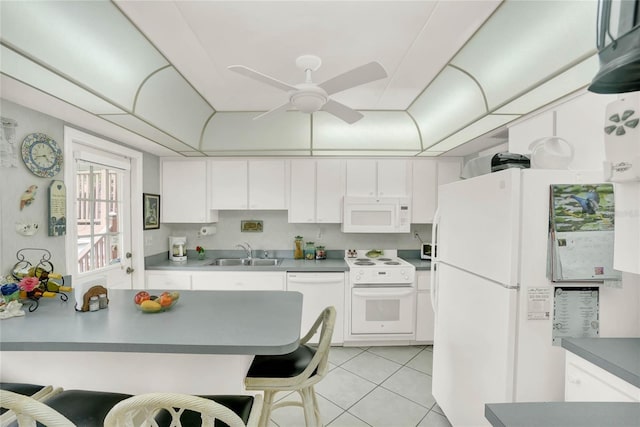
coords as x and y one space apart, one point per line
310 97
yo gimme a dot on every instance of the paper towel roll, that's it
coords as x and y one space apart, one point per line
205 231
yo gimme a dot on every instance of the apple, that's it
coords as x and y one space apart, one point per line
141 296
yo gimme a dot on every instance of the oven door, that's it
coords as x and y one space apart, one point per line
388 310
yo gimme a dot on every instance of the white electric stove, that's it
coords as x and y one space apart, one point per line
383 295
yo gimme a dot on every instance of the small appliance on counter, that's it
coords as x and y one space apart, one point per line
425 251
178 249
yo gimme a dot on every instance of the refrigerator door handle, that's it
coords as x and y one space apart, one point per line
434 262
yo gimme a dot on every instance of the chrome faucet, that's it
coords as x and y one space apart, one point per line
247 248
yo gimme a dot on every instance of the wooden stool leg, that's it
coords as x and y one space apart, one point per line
266 408
307 406
316 407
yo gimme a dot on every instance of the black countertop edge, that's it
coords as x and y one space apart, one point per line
563 414
618 356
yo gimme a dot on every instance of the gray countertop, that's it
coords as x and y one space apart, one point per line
201 322
618 356
563 414
287 264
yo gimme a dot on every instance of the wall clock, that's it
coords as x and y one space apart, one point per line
41 155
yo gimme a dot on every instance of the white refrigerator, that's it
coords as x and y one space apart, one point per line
491 247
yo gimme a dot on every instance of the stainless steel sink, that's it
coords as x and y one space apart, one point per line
245 261
264 261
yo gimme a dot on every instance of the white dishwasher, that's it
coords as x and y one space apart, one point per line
319 290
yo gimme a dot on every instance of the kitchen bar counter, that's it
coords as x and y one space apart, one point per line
618 356
203 344
201 322
563 414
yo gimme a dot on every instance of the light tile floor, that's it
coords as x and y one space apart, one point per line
372 386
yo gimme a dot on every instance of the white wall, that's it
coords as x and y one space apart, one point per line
278 234
14 181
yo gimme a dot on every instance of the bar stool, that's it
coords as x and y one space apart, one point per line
297 371
29 410
85 408
176 409
35 391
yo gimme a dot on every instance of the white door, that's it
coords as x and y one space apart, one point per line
104 241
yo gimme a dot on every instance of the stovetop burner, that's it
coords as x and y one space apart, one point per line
392 262
363 259
364 262
384 259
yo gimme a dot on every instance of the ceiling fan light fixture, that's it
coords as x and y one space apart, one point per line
308 102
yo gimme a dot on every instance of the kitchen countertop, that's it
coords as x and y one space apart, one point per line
563 414
287 264
618 356
201 322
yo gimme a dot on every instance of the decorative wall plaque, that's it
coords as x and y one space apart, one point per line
57 209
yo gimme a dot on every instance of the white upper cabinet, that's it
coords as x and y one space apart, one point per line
316 191
229 184
248 184
424 200
184 192
267 184
378 178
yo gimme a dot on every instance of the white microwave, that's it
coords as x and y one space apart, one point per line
376 215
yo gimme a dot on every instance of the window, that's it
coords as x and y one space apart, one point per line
98 215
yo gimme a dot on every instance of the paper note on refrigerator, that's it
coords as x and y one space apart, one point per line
576 313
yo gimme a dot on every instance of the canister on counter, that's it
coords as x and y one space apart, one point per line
321 253
310 251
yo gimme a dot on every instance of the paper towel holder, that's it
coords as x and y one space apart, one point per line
207 230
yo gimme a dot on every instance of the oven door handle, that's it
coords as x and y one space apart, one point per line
383 292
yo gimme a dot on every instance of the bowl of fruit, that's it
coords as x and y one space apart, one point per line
148 303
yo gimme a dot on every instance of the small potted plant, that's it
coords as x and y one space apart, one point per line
200 251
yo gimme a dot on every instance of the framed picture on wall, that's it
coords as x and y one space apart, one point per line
151 211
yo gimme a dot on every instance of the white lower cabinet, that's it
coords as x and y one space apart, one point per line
586 382
319 290
167 280
238 281
425 316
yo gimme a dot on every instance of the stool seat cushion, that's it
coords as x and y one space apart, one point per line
241 405
84 407
282 365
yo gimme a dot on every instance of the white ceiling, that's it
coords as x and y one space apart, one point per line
413 40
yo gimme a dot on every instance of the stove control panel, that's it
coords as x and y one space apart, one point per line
373 276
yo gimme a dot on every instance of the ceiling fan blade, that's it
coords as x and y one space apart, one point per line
248 72
275 111
356 77
341 111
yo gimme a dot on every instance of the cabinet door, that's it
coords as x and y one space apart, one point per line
329 190
267 184
302 183
228 184
361 178
184 183
393 178
586 382
424 317
165 280
239 281
424 201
